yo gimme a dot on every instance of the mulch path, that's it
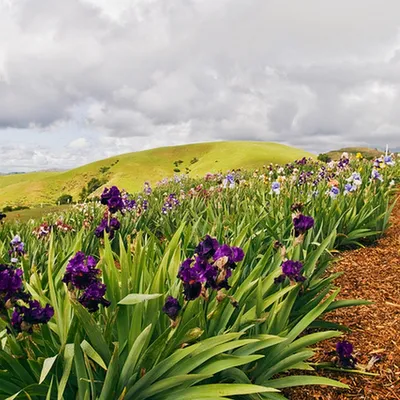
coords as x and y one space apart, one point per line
371 273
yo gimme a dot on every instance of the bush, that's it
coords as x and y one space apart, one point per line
93 185
324 158
64 199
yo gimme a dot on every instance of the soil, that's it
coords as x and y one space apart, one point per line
371 273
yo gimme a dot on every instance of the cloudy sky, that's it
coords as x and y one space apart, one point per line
81 80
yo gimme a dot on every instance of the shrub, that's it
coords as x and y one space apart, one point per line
64 199
324 158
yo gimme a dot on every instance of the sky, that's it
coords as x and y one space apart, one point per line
81 80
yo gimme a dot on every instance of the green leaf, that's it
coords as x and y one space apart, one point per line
47 365
93 331
92 353
218 389
169 383
111 379
304 380
133 357
135 298
67 365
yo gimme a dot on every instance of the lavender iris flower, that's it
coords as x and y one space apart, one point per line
334 192
376 175
388 161
276 187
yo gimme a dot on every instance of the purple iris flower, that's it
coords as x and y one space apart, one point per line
115 204
10 279
302 223
344 350
234 254
292 270
211 268
207 248
23 318
81 271
108 194
108 226
93 297
171 307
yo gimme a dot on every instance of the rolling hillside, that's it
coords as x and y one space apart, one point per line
129 171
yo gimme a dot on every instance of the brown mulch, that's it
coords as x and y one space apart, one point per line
371 273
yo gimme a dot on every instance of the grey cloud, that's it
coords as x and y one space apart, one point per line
313 74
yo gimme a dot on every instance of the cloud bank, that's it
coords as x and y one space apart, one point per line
85 79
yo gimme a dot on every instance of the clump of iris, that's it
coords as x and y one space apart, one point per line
27 312
355 179
291 270
210 268
147 189
25 317
11 286
83 278
170 203
17 249
113 199
229 181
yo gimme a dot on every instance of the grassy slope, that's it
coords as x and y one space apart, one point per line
152 165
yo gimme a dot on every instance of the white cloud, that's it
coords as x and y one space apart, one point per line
149 72
80 143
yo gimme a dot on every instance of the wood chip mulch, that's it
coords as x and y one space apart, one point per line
371 273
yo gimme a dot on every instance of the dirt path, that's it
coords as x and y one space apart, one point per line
371 273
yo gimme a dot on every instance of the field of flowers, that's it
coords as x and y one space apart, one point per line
194 289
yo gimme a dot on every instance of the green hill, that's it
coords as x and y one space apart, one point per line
365 151
131 170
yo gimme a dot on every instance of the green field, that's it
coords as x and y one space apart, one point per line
133 169
34 213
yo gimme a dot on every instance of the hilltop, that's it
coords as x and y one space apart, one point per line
131 170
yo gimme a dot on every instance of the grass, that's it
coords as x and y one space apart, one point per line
34 213
129 171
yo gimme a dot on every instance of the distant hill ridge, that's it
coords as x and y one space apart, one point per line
131 170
